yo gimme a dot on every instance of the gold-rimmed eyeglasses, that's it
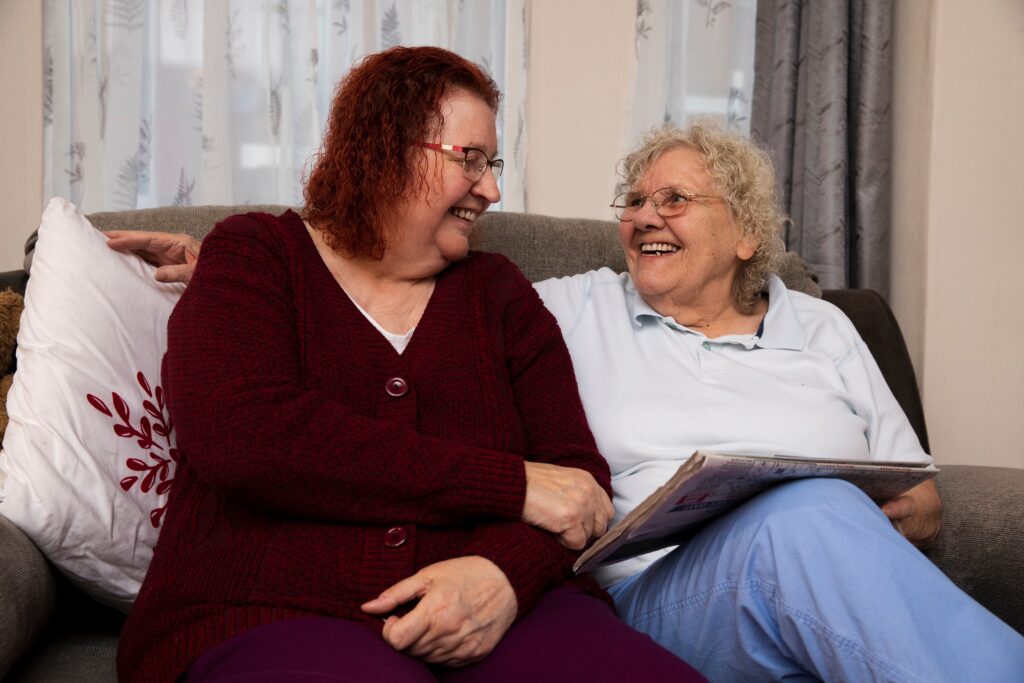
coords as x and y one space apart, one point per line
667 202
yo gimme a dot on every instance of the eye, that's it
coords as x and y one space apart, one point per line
476 160
634 201
675 198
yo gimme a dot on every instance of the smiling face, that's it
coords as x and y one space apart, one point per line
688 261
432 228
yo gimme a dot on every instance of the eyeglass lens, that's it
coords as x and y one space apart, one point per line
667 202
476 162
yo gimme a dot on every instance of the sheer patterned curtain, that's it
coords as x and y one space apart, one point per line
179 102
693 58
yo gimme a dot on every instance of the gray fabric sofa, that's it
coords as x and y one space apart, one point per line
49 631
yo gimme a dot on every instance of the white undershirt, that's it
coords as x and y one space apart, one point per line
399 341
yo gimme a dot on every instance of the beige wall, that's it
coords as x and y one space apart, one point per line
21 125
974 311
581 57
958 179
912 115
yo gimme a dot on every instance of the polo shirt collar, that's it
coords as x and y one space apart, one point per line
781 327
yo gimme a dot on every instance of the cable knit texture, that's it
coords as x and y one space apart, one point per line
300 471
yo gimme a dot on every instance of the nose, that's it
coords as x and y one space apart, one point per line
487 187
646 218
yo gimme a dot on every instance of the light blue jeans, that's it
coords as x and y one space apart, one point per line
809 581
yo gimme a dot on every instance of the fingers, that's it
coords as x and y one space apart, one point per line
128 241
465 606
401 632
402 592
899 508
174 273
567 502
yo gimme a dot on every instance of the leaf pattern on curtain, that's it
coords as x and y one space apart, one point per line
133 173
232 43
224 101
184 195
712 9
693 59
127 14
390 34
179 17
643 29
48 86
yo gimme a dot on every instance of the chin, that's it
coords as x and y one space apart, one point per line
454 251
648 284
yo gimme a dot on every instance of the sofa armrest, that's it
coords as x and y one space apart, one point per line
979 546
876 324
27 594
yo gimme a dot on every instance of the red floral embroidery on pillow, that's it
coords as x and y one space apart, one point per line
158 475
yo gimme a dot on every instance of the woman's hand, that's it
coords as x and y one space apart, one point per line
566 501
174 254
917 514
465 606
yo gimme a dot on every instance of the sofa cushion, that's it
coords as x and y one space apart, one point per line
27 594
978 546
89 453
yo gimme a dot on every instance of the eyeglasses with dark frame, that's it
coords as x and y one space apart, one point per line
668 202
474 163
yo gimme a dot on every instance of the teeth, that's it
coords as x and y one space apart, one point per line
465 214
658 248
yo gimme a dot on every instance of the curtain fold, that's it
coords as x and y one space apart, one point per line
179 102
822 104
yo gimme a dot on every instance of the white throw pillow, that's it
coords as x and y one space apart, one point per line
89 453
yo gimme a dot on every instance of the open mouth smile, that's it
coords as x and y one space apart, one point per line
658 249
464 214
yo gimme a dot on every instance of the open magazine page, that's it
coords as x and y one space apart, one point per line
708 484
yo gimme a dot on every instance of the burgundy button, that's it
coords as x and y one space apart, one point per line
395 536
396 387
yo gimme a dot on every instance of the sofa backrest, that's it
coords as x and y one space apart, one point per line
541 245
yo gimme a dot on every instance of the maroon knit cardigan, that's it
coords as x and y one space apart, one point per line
318 466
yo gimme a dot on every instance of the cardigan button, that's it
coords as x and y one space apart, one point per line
395 536
397 387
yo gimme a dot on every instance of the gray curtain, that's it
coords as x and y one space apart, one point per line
822 105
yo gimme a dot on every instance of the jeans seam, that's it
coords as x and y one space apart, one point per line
770 591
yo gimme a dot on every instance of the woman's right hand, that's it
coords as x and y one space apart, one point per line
174 254
566 501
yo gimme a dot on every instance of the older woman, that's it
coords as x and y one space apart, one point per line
701 346
385 468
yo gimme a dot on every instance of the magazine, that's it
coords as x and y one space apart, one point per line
708 484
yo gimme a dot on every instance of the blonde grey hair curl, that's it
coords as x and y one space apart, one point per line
742 173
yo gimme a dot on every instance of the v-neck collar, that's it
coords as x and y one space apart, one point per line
444 290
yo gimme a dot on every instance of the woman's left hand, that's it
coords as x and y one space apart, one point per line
174 254
465 606
917 514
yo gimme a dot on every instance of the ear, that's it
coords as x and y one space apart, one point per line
746 248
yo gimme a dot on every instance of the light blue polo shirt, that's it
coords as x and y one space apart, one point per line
656 391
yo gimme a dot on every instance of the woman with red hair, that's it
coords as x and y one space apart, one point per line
385 470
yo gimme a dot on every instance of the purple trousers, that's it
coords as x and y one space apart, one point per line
569 636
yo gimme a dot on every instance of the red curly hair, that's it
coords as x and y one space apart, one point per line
381 108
